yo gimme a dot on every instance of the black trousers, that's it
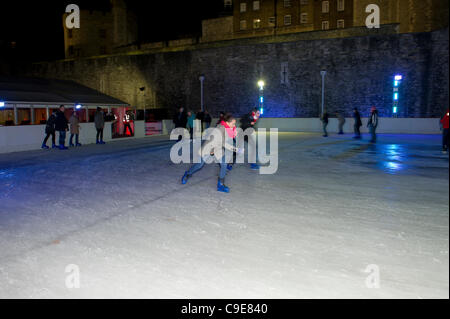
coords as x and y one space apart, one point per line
357 130
99 134
445 140
47 137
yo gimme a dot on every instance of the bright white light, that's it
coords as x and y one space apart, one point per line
395 96
261 84
395 110
398 78
78 106
2 104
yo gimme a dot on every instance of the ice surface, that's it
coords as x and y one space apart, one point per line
335 206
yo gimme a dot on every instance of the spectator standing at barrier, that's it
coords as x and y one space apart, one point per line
358 123
341 121
208 120
201 117
445 127
127 119
190 123
325 119
50 131
74 129
62 126
99 120
373 124
180 119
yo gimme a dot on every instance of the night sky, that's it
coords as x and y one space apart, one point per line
36 26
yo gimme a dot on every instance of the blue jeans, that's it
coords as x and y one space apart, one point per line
62 138
198 166
324 125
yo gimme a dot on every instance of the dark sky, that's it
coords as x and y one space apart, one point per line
36 26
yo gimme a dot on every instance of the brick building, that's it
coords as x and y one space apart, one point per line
101 31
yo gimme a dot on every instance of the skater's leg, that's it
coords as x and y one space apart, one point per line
445 140
77 139
223 169
62 138
46 139
71 139
53 138
196 167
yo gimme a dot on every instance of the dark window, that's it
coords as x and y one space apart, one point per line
71 50
70 33
102 33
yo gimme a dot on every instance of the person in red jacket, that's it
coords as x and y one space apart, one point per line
444 122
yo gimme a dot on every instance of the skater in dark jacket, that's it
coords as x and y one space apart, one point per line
99 120
62 126
180 119
249 120
373 124
50 131
208 120
325 117
358 123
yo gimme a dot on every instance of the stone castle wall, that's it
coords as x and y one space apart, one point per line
360 74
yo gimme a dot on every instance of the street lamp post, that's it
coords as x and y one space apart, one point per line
202 79
323 73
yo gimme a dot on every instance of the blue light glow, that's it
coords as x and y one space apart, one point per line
396 83
395 110
398 78
261 110
395 96
2 104
262 99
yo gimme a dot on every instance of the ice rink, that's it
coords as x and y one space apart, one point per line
337 211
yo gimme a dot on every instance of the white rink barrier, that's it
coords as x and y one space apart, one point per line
30 137
314 125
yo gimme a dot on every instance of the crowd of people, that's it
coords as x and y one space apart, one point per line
58 123
372 123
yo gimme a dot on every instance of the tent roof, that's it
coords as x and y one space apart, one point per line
48 91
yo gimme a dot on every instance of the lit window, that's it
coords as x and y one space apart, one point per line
341 24
304 18
243 7
271 21
287 3
325 25
228 3
243 25
256 5
341 5
287 20
325 6
256 23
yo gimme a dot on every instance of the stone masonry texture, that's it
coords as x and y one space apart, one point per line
360 73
